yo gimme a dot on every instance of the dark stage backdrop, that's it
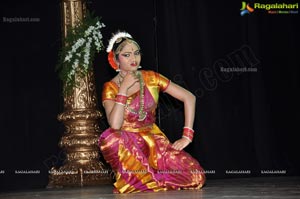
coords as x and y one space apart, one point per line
247 122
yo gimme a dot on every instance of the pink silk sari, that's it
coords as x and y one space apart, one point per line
142 157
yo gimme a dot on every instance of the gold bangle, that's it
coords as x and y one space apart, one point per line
187 138
120 103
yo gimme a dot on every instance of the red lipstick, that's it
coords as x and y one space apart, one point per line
133 64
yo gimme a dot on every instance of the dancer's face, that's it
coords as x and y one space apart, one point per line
129 57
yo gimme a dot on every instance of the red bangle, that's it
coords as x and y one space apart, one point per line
188 128
188 133
121 99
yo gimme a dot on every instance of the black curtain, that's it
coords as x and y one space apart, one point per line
244 120
31 95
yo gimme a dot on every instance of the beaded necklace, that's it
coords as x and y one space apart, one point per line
141 112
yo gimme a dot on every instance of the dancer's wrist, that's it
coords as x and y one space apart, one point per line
121 99
188 133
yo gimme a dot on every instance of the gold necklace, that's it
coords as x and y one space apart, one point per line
120 79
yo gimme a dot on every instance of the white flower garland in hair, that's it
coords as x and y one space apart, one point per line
115 38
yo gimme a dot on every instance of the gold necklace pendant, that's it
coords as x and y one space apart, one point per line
142 116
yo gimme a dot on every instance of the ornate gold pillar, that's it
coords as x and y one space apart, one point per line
81 119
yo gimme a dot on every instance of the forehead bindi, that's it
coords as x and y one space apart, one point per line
130 47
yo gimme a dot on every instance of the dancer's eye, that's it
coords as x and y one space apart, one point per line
126 55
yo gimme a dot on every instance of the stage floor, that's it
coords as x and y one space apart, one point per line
267 187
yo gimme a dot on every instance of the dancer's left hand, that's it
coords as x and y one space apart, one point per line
180 144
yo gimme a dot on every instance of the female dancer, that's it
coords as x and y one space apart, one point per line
139 153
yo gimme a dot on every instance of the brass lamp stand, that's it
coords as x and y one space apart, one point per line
81 119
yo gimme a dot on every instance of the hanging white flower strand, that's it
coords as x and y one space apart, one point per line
92 34
76 57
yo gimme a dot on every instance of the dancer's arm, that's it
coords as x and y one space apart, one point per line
189 101
114 110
